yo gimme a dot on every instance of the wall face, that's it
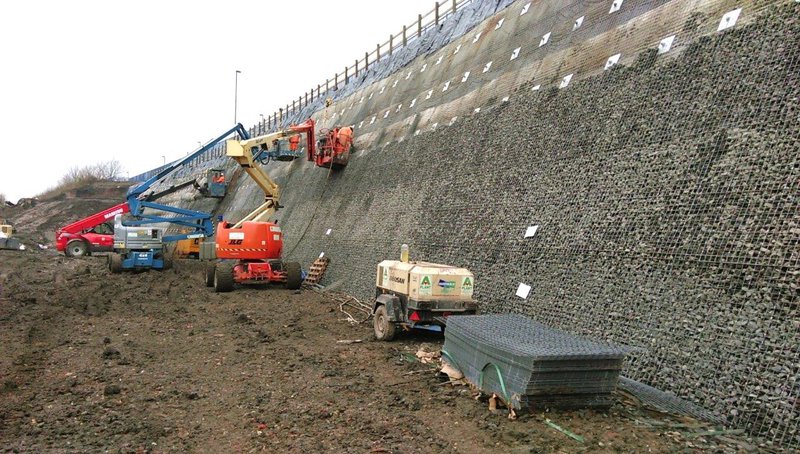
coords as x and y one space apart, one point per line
666 189
667 198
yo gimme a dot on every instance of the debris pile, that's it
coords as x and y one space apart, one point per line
530 365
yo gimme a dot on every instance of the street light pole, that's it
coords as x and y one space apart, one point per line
236 98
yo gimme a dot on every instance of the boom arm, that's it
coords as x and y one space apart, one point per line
246 153
136 191
197 220
94 220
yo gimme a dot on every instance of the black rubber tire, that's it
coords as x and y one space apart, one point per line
223 278
76 248
209 272
115 262
385 330
294 275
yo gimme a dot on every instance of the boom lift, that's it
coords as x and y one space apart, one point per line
334 148
137 246
251 249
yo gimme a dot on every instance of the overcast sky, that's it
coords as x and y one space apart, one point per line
86 81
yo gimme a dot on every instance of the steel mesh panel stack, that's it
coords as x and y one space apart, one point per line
532 365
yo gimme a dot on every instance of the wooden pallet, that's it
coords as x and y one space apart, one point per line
317 270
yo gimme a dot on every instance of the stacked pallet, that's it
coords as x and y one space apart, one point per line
316 271
531 365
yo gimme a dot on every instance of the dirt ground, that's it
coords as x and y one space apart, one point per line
156 362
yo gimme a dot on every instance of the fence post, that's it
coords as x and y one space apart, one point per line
356 69
292 106
366 61
391 43
436 14
327 85
378 53
307 98
336 81
346 76
404 36
419 25
319 90
455 5
280 109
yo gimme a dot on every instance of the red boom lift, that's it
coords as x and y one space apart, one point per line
334 148
250 250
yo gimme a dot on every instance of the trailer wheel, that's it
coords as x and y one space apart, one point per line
115 262
223 278
294 275
385 329
76 248
210 269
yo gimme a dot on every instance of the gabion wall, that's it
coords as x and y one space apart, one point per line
665 189
667 199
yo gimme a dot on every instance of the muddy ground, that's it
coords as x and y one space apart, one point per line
155 362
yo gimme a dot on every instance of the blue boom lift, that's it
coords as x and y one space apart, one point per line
137 246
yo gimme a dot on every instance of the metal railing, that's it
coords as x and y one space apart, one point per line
409 33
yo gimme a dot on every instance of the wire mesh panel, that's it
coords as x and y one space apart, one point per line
530 365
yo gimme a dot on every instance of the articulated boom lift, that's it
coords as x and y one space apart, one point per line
251 249
139 246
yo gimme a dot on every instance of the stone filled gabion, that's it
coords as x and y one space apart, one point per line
667 196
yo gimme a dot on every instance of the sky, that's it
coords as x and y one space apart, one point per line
140 82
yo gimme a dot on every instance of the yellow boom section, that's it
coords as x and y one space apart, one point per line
241 151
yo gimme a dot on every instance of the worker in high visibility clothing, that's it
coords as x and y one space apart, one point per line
294 142
219 178
344 138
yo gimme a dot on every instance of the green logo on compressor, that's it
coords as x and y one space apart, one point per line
425 286
466 286
426 283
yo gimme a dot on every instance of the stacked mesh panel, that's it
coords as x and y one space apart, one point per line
530 364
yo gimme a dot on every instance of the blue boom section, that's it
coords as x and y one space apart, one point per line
199 221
